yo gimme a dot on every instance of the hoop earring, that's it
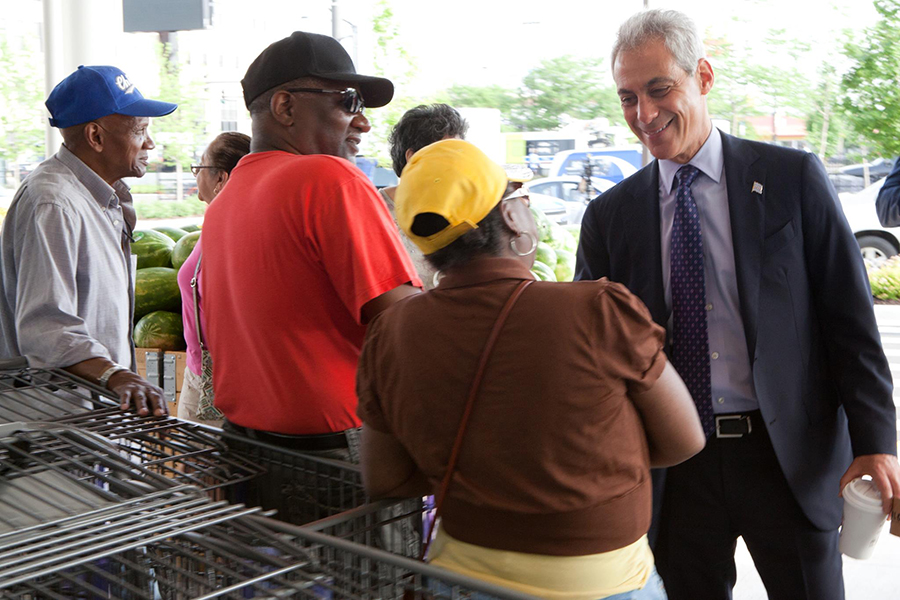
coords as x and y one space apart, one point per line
532 239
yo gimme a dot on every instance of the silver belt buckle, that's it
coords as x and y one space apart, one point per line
719 433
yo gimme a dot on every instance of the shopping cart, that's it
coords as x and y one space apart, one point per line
187 452
248 557
301 487
49 471
28 394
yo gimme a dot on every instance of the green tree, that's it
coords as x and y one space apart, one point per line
872 85
488 96
21 103
183 131
391 60
565 87
732 97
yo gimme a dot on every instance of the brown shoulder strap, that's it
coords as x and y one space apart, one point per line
470 402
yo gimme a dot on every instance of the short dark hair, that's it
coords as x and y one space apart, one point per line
421 126
487 239
227 149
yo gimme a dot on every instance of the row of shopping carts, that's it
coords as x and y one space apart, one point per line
100 503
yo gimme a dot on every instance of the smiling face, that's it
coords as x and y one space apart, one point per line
664 105
322 124
126 145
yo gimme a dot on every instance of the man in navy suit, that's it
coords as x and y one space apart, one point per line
791 374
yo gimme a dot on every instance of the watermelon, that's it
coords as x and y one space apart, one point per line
156 288
183 249
542 222
543 272
173 232
153 249
565 265
545 254
191 228
160 329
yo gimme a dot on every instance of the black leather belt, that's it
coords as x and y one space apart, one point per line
738 425
302 443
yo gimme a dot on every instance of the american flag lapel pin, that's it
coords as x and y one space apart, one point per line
757 188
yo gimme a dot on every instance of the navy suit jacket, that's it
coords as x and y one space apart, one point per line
888 203
821 376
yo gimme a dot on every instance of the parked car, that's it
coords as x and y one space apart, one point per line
614 163
878 169
555 209
566 189
876 243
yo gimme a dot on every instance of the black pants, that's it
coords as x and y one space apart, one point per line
735 487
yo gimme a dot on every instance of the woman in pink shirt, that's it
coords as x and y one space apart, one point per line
212 174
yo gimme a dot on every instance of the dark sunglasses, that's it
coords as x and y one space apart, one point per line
350 98
195 169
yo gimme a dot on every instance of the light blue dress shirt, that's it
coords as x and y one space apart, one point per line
732 376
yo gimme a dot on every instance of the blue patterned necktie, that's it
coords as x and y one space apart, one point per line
690 352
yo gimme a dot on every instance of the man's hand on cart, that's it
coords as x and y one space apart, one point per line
134 390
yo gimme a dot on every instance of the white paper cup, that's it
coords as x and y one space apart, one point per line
863 519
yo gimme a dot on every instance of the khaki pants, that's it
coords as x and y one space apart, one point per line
189 401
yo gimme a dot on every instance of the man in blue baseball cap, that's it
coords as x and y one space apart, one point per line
66 270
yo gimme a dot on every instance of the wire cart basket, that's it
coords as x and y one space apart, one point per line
189 453
244 556
301 487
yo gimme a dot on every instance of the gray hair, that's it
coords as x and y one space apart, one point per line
675 29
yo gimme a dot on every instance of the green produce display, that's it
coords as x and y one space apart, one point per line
543 223
183 248
173 232
160 329
543 272
191 228
153 249
555 252
155 289
545 254
565 265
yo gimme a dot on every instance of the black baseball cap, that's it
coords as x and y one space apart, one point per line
305 54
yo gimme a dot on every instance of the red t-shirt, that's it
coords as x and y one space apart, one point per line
294 246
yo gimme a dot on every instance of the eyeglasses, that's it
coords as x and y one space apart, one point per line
351 99
520 193
195 169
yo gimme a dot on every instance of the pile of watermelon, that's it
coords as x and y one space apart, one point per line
555 252
157 300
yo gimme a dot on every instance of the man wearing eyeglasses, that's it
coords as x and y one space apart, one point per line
66 293
300 254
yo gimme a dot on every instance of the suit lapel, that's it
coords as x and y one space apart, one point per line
642 224
747 215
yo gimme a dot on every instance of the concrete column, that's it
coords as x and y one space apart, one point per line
78 32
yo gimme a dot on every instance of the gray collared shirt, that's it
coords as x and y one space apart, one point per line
66 273
732 377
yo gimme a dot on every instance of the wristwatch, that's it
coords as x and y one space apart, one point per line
103 380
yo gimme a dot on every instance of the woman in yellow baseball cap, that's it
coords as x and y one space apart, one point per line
532 410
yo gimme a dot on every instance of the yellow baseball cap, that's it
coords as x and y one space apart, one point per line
445 190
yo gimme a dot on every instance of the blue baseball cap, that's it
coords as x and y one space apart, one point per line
93 92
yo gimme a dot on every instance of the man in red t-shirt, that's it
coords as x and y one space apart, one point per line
299 252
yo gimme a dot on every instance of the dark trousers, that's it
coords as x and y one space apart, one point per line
735 487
